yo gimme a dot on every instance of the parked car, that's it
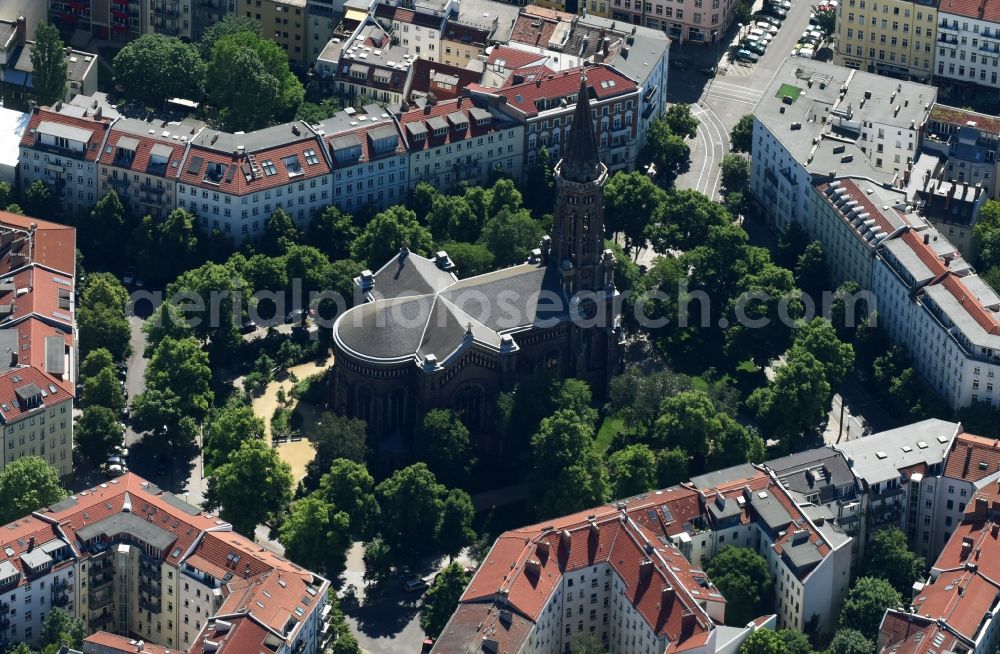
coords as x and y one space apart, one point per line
248 327
767 27
784 4
755 47
414 584
771 20
777 12
746 55
709 71
295 317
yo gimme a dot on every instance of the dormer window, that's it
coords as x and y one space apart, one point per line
292 165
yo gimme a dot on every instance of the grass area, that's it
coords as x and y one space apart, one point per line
611 427
789 90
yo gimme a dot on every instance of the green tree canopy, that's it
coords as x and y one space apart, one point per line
280 233
177 233
687 219
795 641
316 536
735 173
866 603
796 401
227 428
811 273
98 432
632 470
249 80
166 321
337 437
96 360
666 150
889 557
672 467
154 68
101 316
252 488
104 389
331 231
632 202
48 66
470 259
59 627
182 366
412 502
455 529
745 580
511 235
447 447
681 121
40 200
441 599
27 485
349 487
763 641
101 238
851 641
382 238
741 137
231 24
819 338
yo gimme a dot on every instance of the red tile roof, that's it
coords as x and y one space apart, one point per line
234 180
971 304
96 127
961 117
420 78
972 458
903 633
604 82
451 135
988 10
53 245
12 409
961 599
124 645
512 58
143 153
23 535
361 133
244 636
467 34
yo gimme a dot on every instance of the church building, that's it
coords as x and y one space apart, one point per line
424 338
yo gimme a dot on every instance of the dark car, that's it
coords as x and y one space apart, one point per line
709 71
768 19
295 317
777 12
746 55
248 327
754 47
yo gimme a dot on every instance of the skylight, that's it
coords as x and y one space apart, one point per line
268 166
311 157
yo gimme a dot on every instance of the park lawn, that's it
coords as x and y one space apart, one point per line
611 427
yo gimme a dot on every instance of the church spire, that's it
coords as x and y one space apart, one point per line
580 161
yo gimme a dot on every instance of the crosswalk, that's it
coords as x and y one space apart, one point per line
732 92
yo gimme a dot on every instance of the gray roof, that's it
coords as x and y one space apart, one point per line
77 62
730 507
437 122
879 457
719 477
482 12
128 142
261 139
178 503
770 510
8 570
418 309
382 132
821 470
345 142
53 545
36 558
161 150
65 131
802 554
128 523
647 48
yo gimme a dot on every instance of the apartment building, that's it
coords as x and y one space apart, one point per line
700 22
370 67
973 464
462 140
234 182
952 207
819 120
955 610
284 22
416 25
129 558
15 71
824 487
322 18
968 45
898 471
968 143
545 107
462 43
141 161
61 147
747 506
170 18
895 38
209 12
114 20
368 155
38 334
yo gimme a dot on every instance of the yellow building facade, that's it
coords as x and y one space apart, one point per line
281 21
888 37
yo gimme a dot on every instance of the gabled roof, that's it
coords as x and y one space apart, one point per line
133 135
89 128
972 458
604 82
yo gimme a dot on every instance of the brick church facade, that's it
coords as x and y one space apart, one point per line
423 338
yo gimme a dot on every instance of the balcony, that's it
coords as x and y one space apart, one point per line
163 27
102 580
60 599
102 619
148 586
98 601
150 604
944 25
166 10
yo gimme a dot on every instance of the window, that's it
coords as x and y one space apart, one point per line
268 166
311 157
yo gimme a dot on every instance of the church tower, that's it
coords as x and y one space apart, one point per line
585 266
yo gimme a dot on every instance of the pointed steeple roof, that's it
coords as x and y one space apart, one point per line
580 161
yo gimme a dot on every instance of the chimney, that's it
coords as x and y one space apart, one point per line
594 529
966 546
98 113
20 31
668 594
645 570
927 239
31 543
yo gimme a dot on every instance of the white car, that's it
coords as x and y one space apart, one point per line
767 27
808 53
756 34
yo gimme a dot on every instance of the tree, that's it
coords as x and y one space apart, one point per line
851 641
331 231
511 235
40 200
762 641
48 66
96 361
101 316
349 487
795 642
687 420
672 467
820 339
177 233
451 217
104 389
154 68
337 437
561 440
253 487
795 401
441 600
227 429
412 501
666 150
448 449
744 579
59 627
280 233
987 234
221 290
249 80
581 485
681 121
7 194
104 227
27 485
345 643
866 603
735 173
316 536
388 231
632 202
889 557
734 444
455 529
632 471
587 643
98 432
182 367
687 219
470 259
378 560
827 22
811 273
167 321
741 137
232 24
